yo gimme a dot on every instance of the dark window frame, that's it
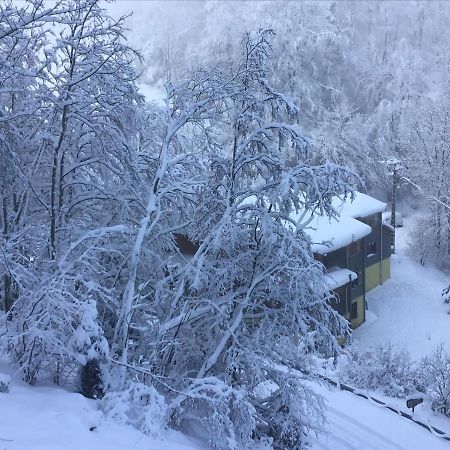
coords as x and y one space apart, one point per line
371 248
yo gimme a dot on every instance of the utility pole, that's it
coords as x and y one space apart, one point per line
393 202
395 165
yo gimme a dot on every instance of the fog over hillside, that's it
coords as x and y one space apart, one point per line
370 77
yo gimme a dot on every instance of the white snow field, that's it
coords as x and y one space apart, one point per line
357 424
408 310
49 418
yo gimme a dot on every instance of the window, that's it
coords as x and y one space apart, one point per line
354 310
354 248
355 282
371 249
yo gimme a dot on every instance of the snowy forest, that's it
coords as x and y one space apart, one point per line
149 259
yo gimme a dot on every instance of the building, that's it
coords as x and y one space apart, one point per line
355 249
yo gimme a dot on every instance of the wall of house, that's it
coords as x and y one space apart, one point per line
358 312
351 305
370 259
377 252
377 274
387 241
338 258
341 302
355 263
373 276
386 269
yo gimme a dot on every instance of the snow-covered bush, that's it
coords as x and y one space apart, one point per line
381 368
289 413
446 295
281 414
90 348
420 240
138 405
225 416
392 373
5 381
434 374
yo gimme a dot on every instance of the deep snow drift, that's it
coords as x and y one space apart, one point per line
47 418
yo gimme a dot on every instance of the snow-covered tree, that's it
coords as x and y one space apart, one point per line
435 376
251 302
427 160
71 131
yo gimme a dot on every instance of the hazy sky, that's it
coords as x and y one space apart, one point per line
171 16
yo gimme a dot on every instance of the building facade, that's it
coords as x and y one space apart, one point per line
354 247
357 244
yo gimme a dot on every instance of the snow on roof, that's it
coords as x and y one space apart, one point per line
363 205
337 277
328 234
331 233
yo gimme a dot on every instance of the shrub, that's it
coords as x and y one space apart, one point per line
434 374
380 368
446 295
91 384
5 381
139 405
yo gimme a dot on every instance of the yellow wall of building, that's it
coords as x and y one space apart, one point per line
377 273
386 269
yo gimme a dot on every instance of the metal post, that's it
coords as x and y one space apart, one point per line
393 204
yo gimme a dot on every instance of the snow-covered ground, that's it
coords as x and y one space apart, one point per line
48 418
408 311
357 424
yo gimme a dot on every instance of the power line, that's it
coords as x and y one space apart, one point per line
426 194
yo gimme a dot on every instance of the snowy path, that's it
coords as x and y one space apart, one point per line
356 424
408 310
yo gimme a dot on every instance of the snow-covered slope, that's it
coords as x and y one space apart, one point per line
48 418
408 310
356 424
